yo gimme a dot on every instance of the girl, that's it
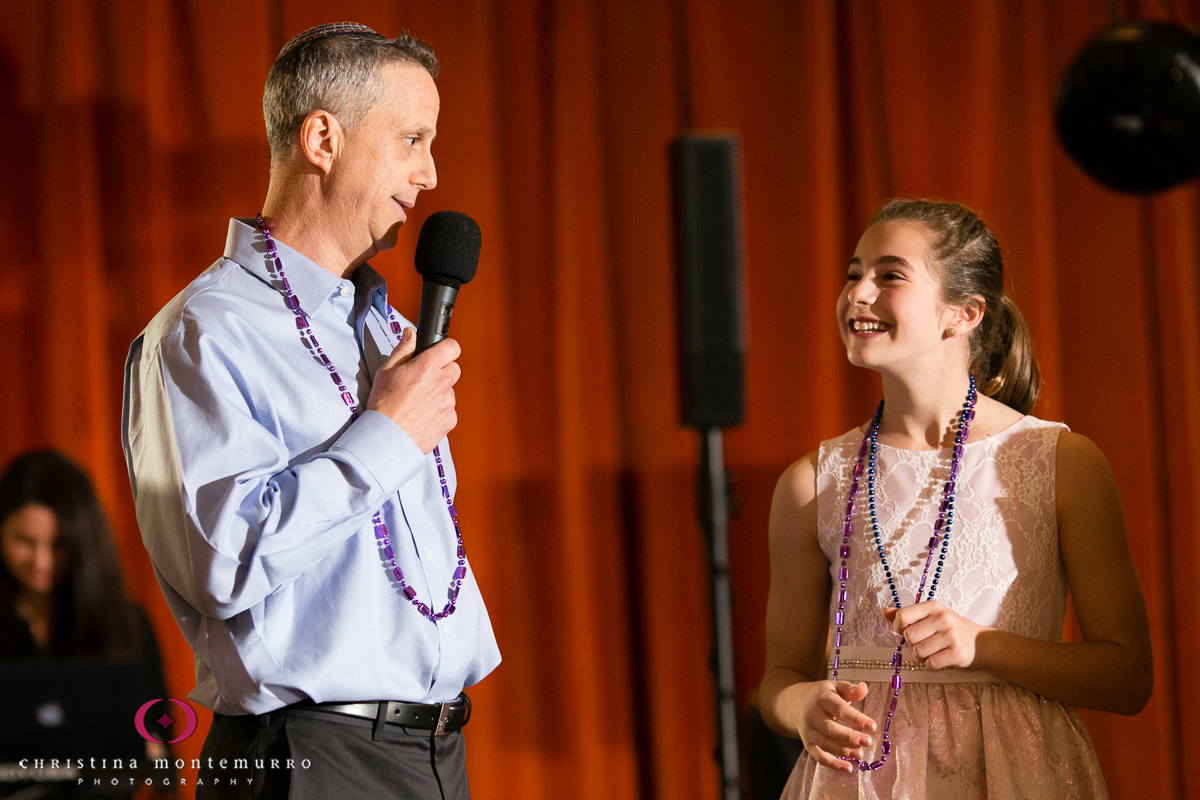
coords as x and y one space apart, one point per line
920 564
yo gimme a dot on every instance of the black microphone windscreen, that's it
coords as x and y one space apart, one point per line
448 248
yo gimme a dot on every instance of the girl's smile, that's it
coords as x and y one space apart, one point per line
891 309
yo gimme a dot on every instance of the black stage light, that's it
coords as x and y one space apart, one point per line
1128 108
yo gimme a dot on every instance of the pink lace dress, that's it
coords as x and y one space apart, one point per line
956 734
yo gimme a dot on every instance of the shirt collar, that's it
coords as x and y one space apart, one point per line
311 283
369 284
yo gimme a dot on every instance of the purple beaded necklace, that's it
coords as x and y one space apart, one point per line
941 535
381 531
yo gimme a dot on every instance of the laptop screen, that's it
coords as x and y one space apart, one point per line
69 709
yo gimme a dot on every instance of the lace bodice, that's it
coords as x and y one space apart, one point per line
960 734
1003 568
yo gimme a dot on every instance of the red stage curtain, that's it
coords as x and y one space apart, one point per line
135 132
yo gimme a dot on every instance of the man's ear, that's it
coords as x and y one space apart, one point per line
321 139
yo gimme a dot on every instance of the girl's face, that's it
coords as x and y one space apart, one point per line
31 548
891 312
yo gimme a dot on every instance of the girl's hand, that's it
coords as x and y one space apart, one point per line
829 726
939 638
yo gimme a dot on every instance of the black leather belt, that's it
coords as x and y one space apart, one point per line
441 718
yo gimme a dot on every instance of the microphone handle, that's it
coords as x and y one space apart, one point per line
433 324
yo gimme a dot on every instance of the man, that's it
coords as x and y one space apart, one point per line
288 457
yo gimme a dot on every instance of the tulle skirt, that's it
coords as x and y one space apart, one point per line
964 741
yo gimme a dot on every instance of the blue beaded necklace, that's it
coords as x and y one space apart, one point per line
941 536
381 530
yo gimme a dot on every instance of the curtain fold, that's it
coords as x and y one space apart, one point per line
136 131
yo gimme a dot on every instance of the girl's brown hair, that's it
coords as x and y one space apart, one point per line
966 260
93 615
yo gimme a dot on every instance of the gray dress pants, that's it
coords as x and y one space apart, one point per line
300 758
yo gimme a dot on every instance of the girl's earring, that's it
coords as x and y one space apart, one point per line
951 332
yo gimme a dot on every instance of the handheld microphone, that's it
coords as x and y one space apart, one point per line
447 255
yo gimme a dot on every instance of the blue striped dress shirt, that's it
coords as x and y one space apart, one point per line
255 491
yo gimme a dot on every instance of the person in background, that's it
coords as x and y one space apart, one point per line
62 594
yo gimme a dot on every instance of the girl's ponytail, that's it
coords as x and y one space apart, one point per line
1006 369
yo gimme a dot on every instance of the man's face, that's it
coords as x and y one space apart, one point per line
386 161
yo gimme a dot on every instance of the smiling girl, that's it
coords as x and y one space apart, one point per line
920 564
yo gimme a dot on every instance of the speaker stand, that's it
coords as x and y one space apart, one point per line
714 516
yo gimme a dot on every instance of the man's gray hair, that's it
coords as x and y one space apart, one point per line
338 73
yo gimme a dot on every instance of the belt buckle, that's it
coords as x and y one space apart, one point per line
443 718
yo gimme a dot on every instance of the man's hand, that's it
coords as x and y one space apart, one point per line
417 392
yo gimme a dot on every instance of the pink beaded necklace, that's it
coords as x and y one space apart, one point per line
941 535
381 530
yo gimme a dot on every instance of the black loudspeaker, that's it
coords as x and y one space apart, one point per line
1128 109
712 307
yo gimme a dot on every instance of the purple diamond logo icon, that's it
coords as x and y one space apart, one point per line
139 721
